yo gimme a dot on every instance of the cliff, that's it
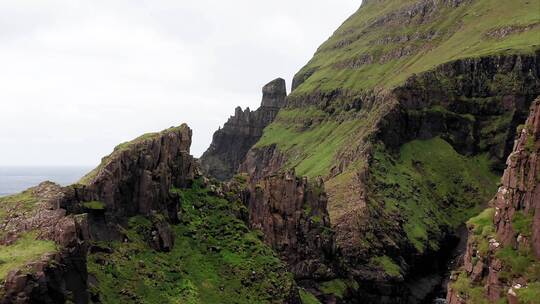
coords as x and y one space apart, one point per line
293 217
502 256
137 177
42 249
230 144
143 227
407 112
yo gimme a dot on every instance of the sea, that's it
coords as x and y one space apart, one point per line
16 179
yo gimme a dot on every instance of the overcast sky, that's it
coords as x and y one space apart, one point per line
79 77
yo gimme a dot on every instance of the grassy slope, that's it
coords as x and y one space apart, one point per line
26 249
431 186
23 201
311 139
461 34
216 259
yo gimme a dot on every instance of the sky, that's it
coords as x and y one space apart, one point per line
78 77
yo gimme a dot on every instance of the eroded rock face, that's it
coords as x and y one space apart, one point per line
519 195
57 276
292 214
230 144
475 104
520 190
137 177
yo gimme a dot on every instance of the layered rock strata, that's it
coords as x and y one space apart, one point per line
493 260
231 143
292 214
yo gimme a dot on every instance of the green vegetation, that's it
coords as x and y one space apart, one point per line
336 287
312 149
431 187
465 288
216 259
94 205
483 229
522 223
386 263
308 298
312 139
530 294
517 263
23 201
450 33
26 249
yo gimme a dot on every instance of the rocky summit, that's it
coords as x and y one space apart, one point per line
404 167
230 144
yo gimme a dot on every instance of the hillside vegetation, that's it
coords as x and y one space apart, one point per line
387 41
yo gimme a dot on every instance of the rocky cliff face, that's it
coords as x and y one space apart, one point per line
59 274
230 144
502 257
408 130
293 217
137 177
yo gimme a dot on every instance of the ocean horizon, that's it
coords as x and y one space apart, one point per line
14 179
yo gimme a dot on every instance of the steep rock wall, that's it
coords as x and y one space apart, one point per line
137 177
230 144
292 214
502 254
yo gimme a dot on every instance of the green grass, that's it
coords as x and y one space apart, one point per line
308 298
432 187
530 294
522 223
26 249
23 201
461 34
482 221
483 229
312 149
216 259
94 205
335 287
389 266
517 263
467 290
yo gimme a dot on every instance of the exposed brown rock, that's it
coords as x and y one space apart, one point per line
292 215
230 144
137 177
519 192
57 276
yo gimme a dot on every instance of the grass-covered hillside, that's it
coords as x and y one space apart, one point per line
215 259
387 41
408 112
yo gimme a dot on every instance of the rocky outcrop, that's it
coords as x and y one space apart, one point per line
292 214
57 276
520 190
230 144
137 177
516 225
475 104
